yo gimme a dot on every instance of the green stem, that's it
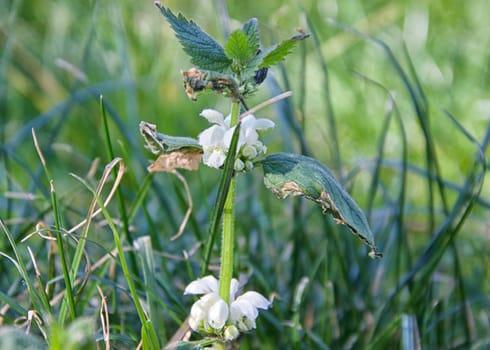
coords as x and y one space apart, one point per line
226 272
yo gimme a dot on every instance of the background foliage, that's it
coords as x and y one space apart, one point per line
392 97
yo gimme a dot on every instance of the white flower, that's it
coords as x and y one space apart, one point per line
244 310
216 139
211 313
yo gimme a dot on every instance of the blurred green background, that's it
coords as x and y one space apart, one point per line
58 57
124 50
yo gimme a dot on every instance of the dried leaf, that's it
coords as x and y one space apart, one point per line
174 152
184 159
196 81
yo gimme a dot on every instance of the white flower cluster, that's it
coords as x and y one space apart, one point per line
215 140
212 315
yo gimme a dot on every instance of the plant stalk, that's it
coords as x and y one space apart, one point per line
227 242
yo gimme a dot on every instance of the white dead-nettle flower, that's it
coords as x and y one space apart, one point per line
216 140
212 315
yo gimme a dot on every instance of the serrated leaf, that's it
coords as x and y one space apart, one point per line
238 48
278 52
297 175
204 51
251 30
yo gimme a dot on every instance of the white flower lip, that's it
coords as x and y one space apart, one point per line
213 116
211 313
218 314
208 284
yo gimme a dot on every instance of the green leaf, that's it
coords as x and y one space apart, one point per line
297 175
278 52
203 50
251 30
238 48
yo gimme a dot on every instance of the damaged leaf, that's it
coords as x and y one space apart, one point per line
196 81
174 152
296 175
184 159
157 142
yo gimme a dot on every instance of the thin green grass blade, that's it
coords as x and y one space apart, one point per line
315 340
385 339
120 198
296 310
38 302
147 326
140 196
422 114
69 297
330 115
9 300
429 259
149 272
410 339
286 112
149 336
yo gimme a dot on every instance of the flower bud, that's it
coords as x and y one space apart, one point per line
231 333
239 165
249 165
249 152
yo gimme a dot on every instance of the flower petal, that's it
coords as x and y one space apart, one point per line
215 158
233 289
208 284
264 124
248 121
218 314
213 116
258 124
242 307
256 299
250 137
227 121
229 135
212 136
